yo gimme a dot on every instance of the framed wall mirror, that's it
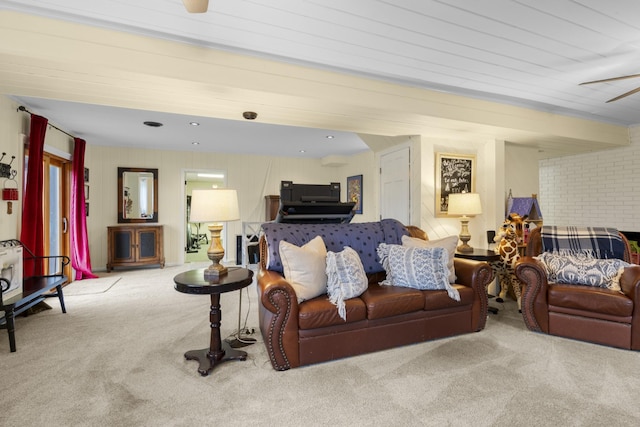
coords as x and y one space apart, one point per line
137 195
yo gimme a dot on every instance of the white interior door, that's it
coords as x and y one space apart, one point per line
395 185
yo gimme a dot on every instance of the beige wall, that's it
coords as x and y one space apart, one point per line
12 124
252 176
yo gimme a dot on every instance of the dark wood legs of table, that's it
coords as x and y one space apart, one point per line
218 351
11 329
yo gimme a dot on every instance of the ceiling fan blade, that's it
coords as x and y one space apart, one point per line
196 6
624 95
612 79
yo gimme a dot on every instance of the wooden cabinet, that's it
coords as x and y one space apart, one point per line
272 204
135 245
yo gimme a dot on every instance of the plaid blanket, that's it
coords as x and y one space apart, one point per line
600 241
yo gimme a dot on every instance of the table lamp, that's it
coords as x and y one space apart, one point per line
464 204
214 206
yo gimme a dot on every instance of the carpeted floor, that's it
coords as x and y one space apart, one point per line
116 359
91 286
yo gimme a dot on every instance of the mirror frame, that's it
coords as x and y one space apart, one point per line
121 218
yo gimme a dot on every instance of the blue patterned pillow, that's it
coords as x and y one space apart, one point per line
418 268
345 278
582 269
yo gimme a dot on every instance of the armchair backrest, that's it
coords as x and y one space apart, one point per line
535 245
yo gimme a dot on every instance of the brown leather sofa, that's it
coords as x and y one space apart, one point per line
594 314
382 317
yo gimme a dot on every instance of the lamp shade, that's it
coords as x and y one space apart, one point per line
215 205
464 204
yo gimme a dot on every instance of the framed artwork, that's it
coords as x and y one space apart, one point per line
86 209
86 192
455 173
354 191
86 174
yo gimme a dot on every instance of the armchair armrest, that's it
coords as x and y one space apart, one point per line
630 284
278 311
533 277
476 275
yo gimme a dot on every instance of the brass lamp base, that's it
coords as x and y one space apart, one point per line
215 253
464 248
464 236
215 271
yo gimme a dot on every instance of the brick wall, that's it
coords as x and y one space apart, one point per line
594 189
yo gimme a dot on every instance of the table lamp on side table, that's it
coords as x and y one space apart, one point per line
465 205
214 206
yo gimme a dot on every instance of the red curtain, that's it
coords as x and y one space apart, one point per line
32 230
80 258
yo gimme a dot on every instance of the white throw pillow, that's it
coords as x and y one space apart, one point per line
346 278
304 267
417 268
449 243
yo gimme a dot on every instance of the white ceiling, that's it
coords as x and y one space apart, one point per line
518 52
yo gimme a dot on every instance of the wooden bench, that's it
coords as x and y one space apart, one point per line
35 288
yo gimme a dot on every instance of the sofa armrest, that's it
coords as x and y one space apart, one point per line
535 309
476 275
278 317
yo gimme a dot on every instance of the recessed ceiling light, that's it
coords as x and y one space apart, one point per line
302 151
330 136
194 123
153 124
195 143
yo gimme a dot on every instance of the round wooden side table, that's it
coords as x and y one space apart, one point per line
194 282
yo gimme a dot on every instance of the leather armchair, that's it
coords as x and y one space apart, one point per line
598 315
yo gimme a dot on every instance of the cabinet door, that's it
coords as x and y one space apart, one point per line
147 241
123 246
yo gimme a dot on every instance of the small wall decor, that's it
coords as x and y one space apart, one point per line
86 192
455 173
86 209
354 191
86 174
5 168
10 190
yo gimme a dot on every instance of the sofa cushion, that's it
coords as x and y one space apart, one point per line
387 301
364 238
345 277
437 300
590 299
449 243
418 268
304 267
320 313
583 270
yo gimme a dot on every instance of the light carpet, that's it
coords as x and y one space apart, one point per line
116 359
90 286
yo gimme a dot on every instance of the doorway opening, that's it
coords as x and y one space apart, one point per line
197 238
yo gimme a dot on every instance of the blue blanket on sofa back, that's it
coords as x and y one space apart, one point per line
363 237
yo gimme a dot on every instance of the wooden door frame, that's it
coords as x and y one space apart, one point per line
65 201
